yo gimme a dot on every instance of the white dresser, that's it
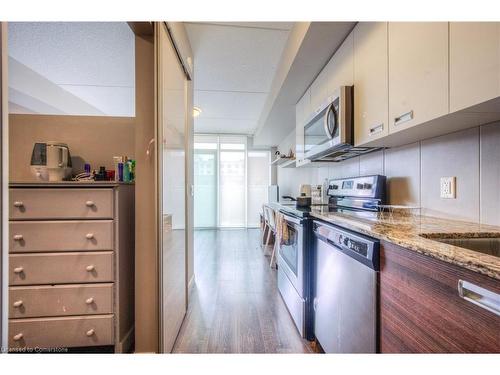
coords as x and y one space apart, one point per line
71 265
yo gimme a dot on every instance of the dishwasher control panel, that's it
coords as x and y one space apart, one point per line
363 248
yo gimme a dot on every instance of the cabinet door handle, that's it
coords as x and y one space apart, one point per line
90 332
17 303
403 118
89 204
89 236
18 204
90 268
18 337
479 296
18 269
89 301
376 129
18 237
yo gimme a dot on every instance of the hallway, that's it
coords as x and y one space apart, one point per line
235 306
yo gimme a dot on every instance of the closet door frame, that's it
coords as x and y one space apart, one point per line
4 179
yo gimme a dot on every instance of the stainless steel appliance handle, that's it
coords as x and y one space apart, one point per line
291 219
376 129
479 296
325 122
403 118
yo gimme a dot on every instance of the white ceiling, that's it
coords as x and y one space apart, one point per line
234 65
77 68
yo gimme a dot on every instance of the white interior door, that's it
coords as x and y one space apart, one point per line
172 188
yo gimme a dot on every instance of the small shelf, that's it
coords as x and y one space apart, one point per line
284 162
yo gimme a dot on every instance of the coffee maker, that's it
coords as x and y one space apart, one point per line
51 161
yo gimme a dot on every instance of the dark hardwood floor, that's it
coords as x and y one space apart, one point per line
235 306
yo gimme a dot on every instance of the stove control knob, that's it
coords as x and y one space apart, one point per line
347 241
367 186
359 186
340 239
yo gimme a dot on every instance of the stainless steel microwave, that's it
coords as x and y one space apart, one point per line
331 127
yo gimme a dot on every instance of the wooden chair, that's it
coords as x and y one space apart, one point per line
270 220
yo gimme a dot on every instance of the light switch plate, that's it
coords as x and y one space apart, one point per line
448 190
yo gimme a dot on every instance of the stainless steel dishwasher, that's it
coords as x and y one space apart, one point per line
345 298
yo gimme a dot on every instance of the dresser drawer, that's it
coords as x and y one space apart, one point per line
60 268
49 236
54 203
61 332
60 300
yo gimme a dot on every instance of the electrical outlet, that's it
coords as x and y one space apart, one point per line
448 190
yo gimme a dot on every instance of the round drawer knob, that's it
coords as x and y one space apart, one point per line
89 236
18 237
18 337
90 268
18 269
89 301
17 303
90 204
90 332
18 204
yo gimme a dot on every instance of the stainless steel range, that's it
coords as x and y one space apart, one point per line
295 266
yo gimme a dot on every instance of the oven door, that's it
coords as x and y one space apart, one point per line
291 254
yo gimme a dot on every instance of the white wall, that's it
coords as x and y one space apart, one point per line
413 172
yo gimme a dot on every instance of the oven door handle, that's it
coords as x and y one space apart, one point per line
292 219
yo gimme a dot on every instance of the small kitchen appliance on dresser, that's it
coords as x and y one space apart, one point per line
51 161
346 265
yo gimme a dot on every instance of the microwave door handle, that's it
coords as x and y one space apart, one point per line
326 118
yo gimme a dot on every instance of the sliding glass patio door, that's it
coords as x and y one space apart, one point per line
205 184
230 182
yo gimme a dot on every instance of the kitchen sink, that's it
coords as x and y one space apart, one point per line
486 245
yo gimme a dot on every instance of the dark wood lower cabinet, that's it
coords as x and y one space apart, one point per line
422 312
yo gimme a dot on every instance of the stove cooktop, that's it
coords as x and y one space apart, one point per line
305 212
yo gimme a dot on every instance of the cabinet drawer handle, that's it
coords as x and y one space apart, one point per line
18 237
18 269
90 268
90 204
18 204
479 296
90 332
89 236
403 118
18 337
17 303
376 129
89 301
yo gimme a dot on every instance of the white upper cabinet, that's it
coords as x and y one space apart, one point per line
302 112
371 93
474 63
418 73
338 72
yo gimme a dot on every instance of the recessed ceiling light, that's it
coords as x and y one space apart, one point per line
196 111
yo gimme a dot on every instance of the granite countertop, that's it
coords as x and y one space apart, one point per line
406 231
